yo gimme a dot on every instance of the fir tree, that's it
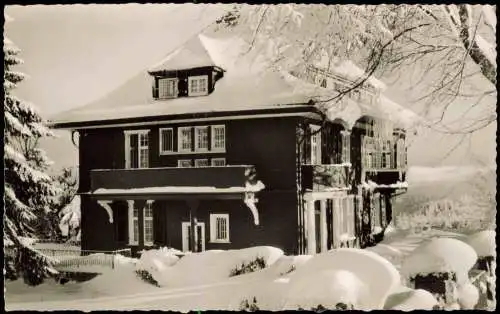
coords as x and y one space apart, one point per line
29 191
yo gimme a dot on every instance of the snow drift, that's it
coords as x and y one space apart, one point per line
206 267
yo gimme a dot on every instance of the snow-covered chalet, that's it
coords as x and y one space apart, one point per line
205 150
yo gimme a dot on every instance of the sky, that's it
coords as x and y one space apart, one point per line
75 54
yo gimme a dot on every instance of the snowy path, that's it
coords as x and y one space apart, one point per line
173 299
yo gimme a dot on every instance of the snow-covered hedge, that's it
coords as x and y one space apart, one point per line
204 267
440 255
483 242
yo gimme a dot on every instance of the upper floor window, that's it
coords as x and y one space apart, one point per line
201 138
137 149
315 144
218 138
198 85
166 140
185 139
167 88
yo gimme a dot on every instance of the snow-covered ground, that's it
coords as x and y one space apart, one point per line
202 281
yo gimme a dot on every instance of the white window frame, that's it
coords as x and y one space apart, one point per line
185 238
212 138
315 145
180 161
197 141
167 81
162 152
148 205
213 228
179 139
197 161
197 78
140 148
131 219
213 160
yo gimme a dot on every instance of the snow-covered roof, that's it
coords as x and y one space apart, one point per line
248 84
348 70
192 54
440 255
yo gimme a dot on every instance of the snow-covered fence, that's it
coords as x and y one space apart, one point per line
70 258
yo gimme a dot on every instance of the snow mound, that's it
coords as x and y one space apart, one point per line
408 300
378 275
440 255
212 266
157 260
468 296
483 242
326 287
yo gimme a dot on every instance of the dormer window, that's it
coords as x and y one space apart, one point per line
167 88
198 85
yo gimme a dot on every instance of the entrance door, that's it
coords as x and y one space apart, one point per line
199 237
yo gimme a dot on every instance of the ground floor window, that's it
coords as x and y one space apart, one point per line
134 230
219 228
343 219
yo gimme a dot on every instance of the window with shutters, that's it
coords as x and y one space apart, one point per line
219 228
166 140
201 138
218 138
185 140
167 88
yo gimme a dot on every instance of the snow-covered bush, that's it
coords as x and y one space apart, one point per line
407 299
354 277
468 296
439 266
210 266
249 267
251 306
147 277
326 288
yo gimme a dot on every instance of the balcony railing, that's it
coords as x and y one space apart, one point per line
325 177
218 177
383 154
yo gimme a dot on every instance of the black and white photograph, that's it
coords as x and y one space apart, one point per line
250 157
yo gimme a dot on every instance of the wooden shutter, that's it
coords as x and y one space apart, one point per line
155 88
120 218
159 223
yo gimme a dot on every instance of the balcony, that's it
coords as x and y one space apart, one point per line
201 180
384 161
325 177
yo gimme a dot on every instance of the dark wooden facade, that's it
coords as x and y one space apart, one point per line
266 144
